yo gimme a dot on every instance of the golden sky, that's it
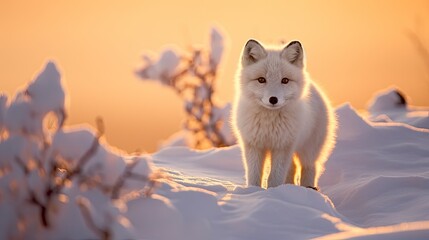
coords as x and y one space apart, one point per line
353 49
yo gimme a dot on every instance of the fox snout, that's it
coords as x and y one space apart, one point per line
273 100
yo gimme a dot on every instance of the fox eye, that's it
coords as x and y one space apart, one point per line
285 80
261 80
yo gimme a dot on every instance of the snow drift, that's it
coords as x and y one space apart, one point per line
69 183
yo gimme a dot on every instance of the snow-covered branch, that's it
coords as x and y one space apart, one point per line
193 76
51 178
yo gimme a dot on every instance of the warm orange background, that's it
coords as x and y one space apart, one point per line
354 48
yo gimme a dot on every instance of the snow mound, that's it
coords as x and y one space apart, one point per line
387 100
379 177
350 123
391 106
280 211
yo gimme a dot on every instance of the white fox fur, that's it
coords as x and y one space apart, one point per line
280 112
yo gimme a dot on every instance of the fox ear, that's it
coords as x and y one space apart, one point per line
253 52
294 53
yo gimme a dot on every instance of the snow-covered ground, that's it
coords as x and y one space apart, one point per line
376 183
378 175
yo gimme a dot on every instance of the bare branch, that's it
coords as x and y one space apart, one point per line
198 73
121 180
54 188
21 164
151 180
84 209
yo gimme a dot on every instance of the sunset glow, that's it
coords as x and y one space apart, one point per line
353 49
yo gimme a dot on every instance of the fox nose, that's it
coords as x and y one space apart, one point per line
273 100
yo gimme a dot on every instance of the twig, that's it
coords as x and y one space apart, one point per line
56 188
23 166
84 209
151 180
121 180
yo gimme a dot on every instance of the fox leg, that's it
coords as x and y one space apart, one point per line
254 159
291 176
281 160
308 176
310 169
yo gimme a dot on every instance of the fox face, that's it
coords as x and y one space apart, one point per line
272 78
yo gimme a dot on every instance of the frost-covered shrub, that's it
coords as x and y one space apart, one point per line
64 182
193 76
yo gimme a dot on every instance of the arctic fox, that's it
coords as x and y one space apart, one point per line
280 112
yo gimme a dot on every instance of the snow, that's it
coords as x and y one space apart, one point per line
46 92
216 47
30 106
390 99
163 69
380 175
168 62
3 102
388 106
375 185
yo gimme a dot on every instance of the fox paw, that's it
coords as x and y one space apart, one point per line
314 188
